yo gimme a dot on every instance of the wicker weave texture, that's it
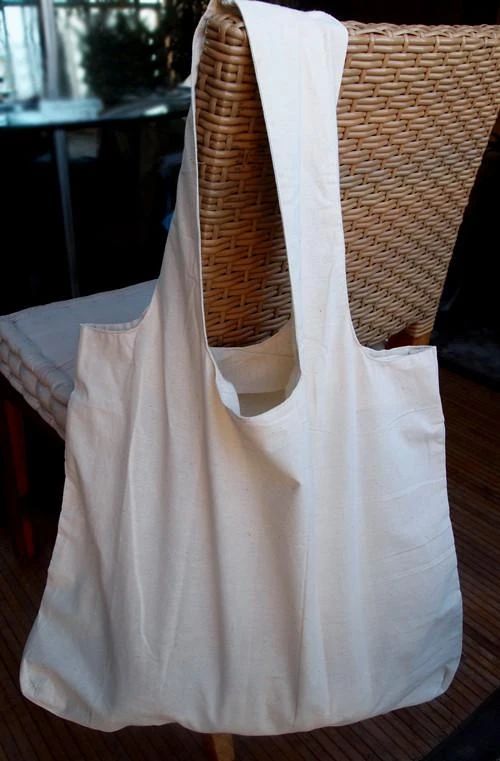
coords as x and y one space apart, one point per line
245 272
415 111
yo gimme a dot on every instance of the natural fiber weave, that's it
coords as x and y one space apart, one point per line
416 108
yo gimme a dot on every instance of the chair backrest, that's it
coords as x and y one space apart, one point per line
416 107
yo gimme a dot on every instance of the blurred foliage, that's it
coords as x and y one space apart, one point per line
181 27
122 55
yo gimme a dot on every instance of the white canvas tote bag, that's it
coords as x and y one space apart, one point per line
253 540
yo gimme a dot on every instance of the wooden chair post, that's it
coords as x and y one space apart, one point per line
412 335
220 747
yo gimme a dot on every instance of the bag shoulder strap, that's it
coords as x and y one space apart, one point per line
298 59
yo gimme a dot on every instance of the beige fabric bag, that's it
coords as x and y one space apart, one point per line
253 540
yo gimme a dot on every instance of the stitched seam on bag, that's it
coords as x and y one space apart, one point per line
302 624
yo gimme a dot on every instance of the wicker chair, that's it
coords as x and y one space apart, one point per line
416 108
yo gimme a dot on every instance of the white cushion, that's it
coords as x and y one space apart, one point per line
38 345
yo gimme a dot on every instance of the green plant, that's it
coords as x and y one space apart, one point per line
182 18
121 55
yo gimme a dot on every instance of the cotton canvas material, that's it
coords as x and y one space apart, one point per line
253 540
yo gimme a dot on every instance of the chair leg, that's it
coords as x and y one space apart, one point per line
413 335
16 476
220 747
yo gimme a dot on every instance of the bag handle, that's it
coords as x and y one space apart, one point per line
299 86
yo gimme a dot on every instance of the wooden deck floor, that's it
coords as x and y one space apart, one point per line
28 733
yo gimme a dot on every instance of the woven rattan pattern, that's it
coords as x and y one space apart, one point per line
415 111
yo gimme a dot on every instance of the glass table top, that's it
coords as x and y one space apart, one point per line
67 112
